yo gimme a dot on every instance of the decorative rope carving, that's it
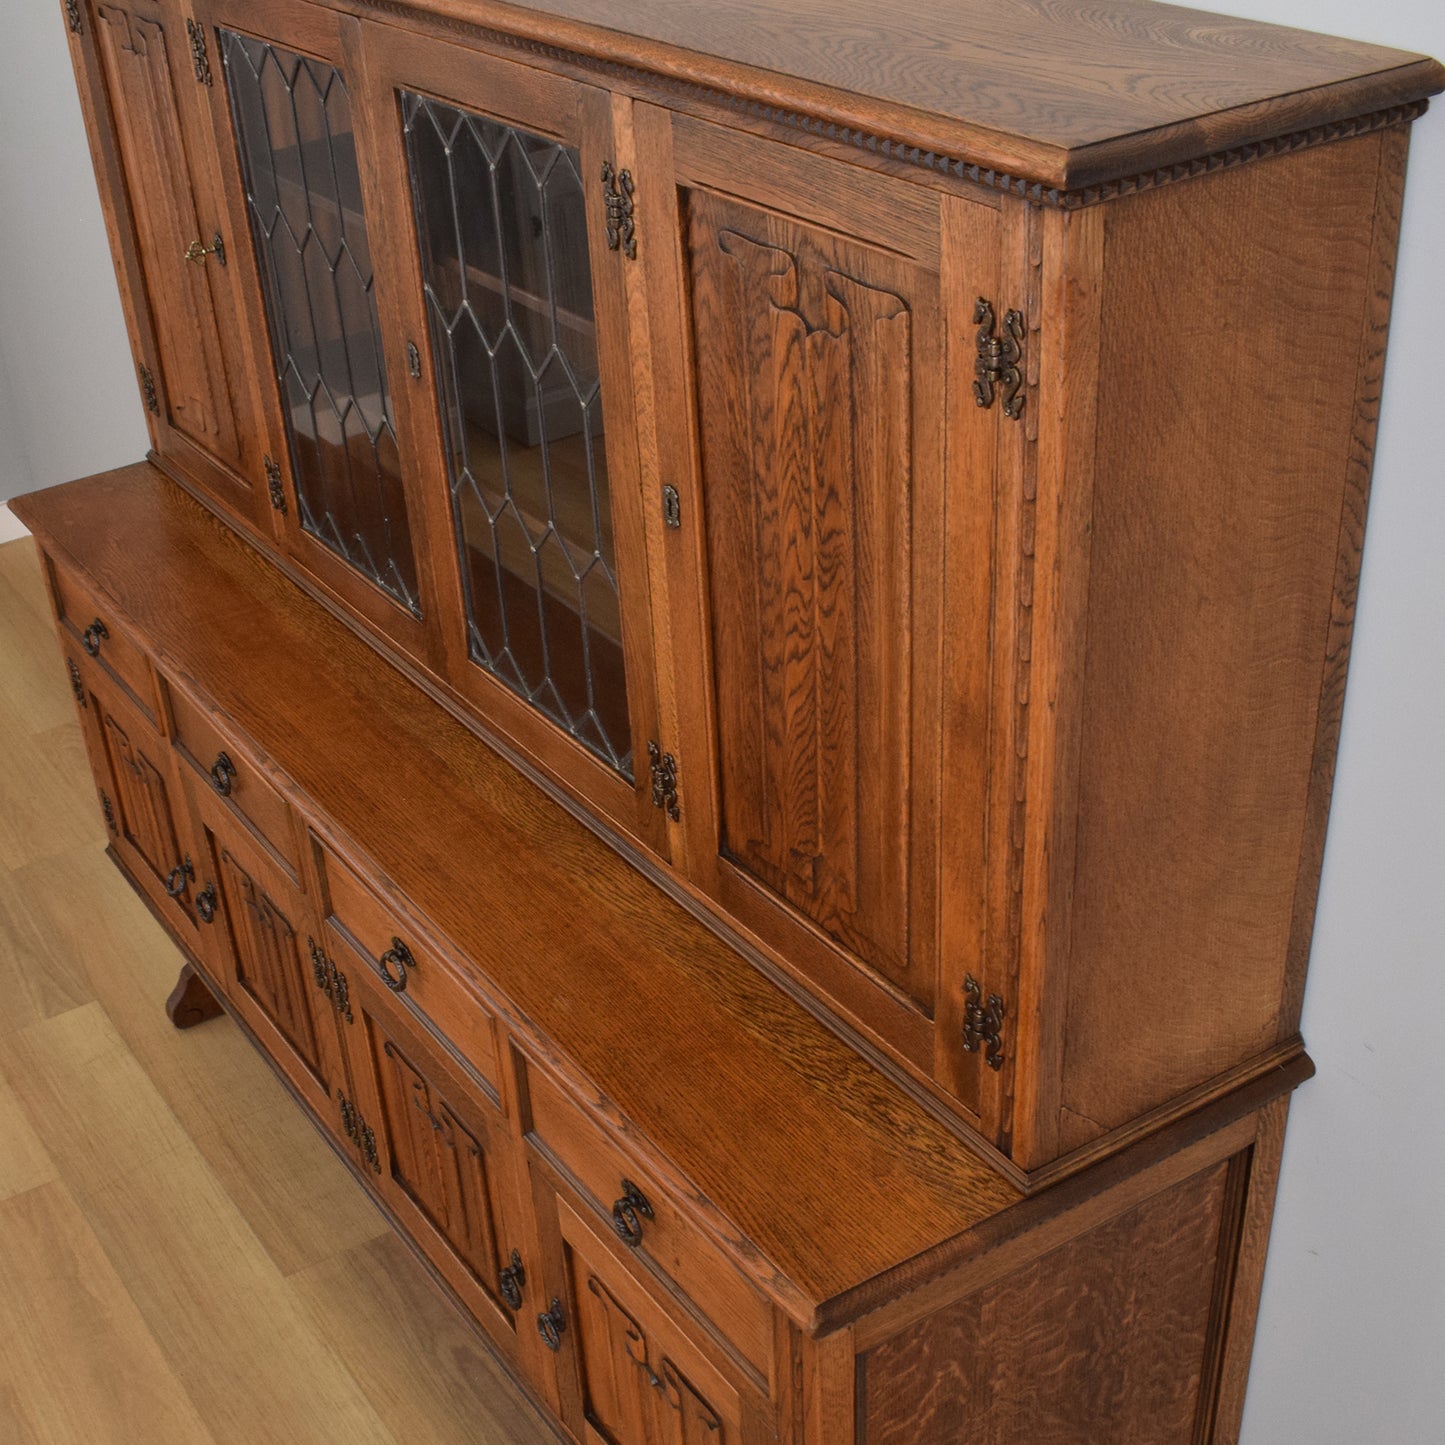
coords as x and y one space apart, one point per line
914 155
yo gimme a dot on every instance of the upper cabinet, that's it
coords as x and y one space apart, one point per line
797 481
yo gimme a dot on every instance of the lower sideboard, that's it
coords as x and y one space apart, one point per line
677 1206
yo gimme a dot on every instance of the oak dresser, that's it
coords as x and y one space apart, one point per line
730 654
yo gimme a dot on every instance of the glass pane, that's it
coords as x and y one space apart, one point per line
293 118
509 294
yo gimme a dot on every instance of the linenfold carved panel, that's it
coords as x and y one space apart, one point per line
806 349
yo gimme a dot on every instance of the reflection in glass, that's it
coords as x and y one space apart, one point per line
303 190
509 294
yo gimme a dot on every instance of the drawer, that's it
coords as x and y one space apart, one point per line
642 1216
91 624
415 970
229 772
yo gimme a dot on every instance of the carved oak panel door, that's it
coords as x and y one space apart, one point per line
147 830
156 79
821 307
640 1381
262 945
438 1140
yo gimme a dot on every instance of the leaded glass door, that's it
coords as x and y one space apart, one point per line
517 304
297 171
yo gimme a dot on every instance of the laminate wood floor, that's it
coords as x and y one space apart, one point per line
182 1258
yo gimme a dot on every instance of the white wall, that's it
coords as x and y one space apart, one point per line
69 402
1353 1318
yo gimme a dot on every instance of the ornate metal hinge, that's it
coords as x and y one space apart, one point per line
368 1145
341 993
320 970
511 1281
982 1023
107 808
413 361
348 1117
621 228
997 368
330 979
671 507
148 390
72 15
664 780
77 683
273 484
200 59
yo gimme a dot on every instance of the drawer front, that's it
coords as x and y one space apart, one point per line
91 625
228 771
641 1216
415 970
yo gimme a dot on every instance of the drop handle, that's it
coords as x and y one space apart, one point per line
178 877
398 957
628 1213
551 1326
223 774
93 636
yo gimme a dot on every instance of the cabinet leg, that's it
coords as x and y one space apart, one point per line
191 1001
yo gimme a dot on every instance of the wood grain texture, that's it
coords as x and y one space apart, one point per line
662 1012
1042 1356
78 1360
806 386
1059 91
1370 375
1215 535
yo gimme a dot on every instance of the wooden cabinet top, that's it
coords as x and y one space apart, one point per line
1063 94
839 1179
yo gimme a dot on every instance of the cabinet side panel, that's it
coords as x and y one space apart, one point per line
1227 406
1104 1338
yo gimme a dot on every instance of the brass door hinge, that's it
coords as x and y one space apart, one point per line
72 15
359 1132
200 58
982 1023
107 809
77 684
274 488
621 226
148 389
671 507
663 767
997 368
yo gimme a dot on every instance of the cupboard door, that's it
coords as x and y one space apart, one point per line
295 169
199 379
265 955
516 296
639 1380
438 1137
148 827
819 325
